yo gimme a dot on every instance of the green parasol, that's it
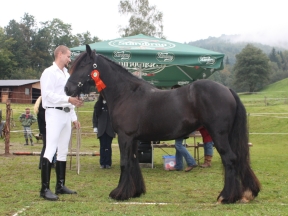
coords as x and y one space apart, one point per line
161 62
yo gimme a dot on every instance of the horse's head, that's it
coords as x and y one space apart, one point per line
80 73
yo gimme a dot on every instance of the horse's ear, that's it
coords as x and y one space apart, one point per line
88 50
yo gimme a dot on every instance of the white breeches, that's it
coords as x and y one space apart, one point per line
58 132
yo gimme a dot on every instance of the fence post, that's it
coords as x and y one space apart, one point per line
7 127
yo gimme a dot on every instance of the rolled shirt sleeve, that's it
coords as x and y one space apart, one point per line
73 115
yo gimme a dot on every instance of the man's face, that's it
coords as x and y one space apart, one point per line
27 111
66 58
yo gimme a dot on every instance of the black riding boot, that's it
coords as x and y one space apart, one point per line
31 142
60 173
45 179
26 142
43 150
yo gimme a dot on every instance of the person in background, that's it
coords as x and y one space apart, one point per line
59 113
40 112
181 151
27 119
103 127
208 147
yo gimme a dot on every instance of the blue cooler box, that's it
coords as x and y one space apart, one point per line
169 161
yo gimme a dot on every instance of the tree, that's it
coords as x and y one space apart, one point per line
275 57
59 34
6 56
84 38
251 69
144 19
285 59
27 73
20 48
224 76
30 49
227 62
26 50
41 58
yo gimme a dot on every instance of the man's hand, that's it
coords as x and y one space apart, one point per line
75 101
76 124
95 130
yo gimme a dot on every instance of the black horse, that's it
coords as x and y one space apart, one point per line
140 111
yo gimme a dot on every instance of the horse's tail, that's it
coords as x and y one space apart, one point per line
238 139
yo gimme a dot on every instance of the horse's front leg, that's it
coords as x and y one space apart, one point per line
131 183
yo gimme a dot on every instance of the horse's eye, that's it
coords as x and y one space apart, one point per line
85 63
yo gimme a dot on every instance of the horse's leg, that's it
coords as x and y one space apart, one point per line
131 183
232 186
250 183
241 184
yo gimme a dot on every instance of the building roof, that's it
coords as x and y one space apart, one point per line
17 82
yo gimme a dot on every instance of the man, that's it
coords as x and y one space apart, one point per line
59 114
27 120
103 127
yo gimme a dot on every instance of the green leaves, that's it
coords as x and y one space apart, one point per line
144 19
252 69
26 49
6 62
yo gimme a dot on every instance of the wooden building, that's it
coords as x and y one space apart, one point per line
19 91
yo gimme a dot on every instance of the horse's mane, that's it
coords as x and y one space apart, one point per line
118 65
123 70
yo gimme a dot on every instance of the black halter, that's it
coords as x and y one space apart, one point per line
80 84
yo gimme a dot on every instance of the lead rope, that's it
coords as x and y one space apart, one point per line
70 147
78 140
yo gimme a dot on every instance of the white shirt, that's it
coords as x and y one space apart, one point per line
52 82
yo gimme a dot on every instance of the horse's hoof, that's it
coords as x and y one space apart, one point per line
247 195
113 194
116 195
244 200
220 199
116 198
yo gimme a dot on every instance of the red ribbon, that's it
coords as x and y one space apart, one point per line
95 74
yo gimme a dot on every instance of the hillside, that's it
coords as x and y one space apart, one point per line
270 95
225 45
277 89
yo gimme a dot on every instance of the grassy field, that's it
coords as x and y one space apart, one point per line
168 193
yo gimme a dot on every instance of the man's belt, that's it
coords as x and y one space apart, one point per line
65 109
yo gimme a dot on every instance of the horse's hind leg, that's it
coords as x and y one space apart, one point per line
232 190
131 183
250 183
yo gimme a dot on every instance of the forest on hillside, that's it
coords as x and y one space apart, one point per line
278 59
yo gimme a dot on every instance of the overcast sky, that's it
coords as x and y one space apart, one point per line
184 20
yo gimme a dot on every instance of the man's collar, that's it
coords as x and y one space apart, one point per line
64 69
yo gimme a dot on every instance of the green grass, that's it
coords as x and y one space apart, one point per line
175 193
274 94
